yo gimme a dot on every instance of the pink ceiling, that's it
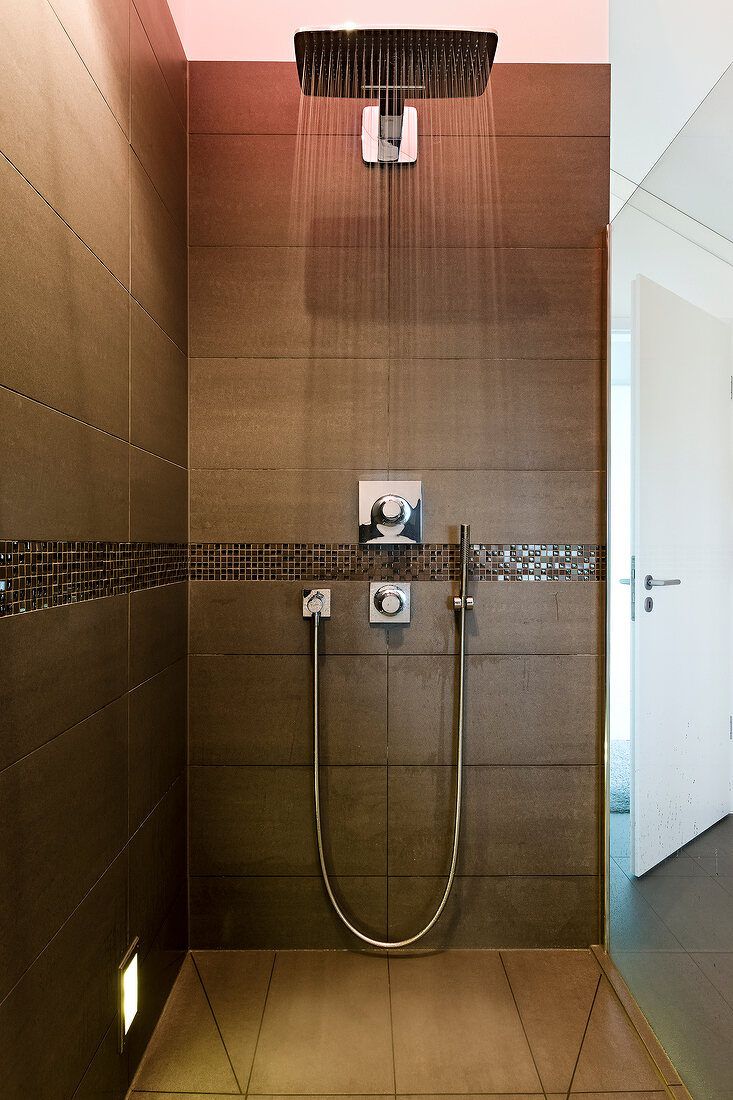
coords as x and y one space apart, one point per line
529 30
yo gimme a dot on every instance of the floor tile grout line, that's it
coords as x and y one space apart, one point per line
262 1018
216 1022
521 1021
585 1032
391 1025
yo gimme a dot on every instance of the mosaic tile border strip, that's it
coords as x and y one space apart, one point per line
36 574
236 561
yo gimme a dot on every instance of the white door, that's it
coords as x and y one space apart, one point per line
682 497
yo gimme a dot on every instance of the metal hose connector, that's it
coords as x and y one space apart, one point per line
461 604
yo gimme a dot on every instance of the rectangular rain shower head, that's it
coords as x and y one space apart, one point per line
392 65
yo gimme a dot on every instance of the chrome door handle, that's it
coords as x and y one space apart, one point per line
650 582
624 580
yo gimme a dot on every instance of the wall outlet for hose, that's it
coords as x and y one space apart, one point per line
316 599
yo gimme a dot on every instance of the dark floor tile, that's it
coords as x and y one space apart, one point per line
715 841
159 258
280 506
635 926
554 991
293 302
718 968
698 911
232 425
161 30
42 656
456 1026
158 390
236 984
612 1057
54 1019
158 629
158 499
186 1053
260 189
519 710
291 912
525 303
539 820
59 132
259 820
226 618
64 820
510 422
63 479
690 1018
157 738
64 317
157 132
253 710
498 912
326 1026
516 191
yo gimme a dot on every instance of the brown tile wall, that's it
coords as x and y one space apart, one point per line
93 418
441 322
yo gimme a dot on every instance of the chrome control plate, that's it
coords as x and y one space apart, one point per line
390 512
389 603
316 599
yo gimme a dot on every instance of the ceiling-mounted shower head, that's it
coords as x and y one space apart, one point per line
392 65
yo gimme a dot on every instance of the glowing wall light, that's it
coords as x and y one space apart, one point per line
127 986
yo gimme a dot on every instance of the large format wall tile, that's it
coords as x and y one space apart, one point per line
158 257
65 808
517 192
59 132
498 911
283 912
47 1039
64 317
328 195
254 710
227 617
158 629
161 30
510 303
496 414
516 821
507 617
259 820
63 479
276 505
519 710
158 389
157 133
42 656
248 411
157 865
158 506
100 31
256 97
157 738
293 302
514 506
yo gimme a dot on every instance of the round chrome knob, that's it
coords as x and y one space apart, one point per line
389 599
315 603
391 511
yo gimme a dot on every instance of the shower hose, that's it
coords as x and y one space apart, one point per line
460 604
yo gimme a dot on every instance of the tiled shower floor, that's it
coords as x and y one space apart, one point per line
519 1024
